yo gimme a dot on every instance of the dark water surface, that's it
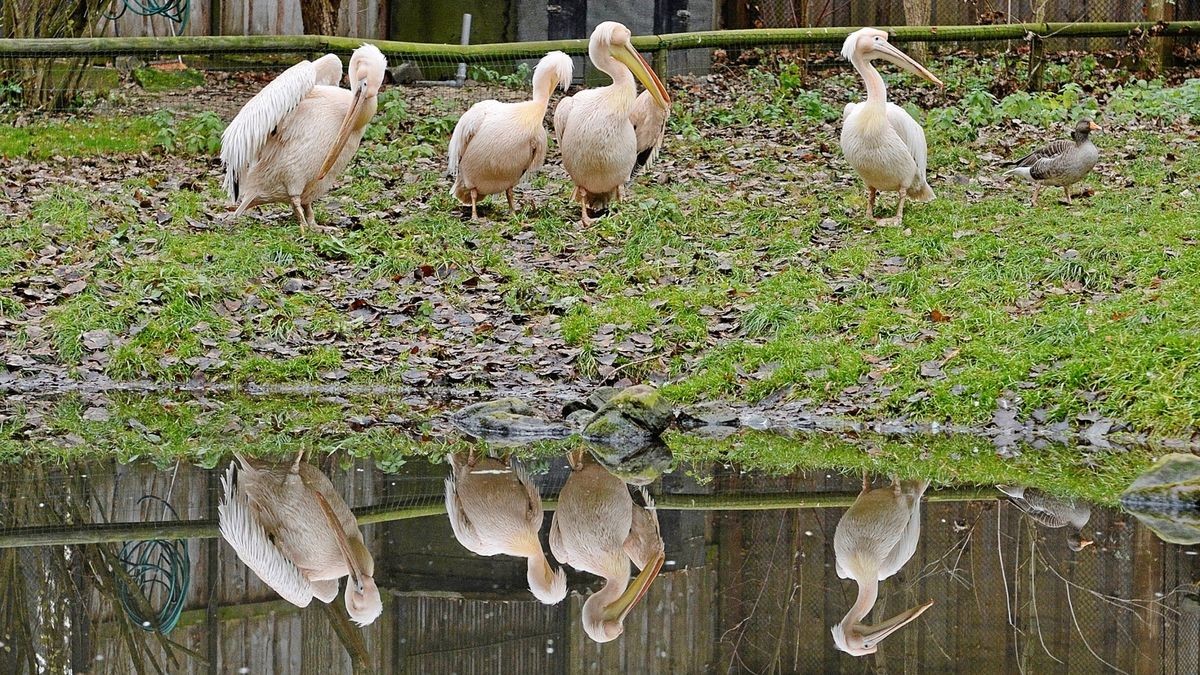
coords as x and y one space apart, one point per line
750 582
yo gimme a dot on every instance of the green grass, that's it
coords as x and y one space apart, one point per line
722 261
103 136
153 79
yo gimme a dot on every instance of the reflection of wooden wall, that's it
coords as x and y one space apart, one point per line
356 18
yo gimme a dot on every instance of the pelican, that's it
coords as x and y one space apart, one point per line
1052 512
495 508
595 135
598 529
497 145
883 143
872 541
289 142
289 525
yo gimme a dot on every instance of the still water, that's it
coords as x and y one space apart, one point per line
755 573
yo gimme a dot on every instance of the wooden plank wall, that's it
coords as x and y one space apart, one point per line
356 18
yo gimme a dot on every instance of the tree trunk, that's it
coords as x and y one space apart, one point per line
916 13
320 16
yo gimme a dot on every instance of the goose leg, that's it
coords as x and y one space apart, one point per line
1036 188
298 210
1067 192
474 199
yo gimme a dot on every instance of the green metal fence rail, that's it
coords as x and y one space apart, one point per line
482 53
66 535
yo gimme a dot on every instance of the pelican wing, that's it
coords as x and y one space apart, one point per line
644 543
561 112
464 531
533 498
246 135
466 128
650 126
254 546
910 132
904 549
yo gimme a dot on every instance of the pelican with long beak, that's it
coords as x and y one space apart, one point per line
497 145
883 143
875 538
598 529
595 135
289 525
290 142
495 508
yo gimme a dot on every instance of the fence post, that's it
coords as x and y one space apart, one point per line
660 63
1037 62
214 18
1160 47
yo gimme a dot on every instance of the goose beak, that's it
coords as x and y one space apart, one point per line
891 53
620 608
1093 126
876 634
343 135
644 73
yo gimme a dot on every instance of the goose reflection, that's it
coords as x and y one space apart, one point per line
1052 512
873 540
598 529
288 524
495 508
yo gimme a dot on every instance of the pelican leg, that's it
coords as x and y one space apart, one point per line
471 459
866 482
310 216
870 202
511 204
897 219
298 210
297 462
474 198
583 203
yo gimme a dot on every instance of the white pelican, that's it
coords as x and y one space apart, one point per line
873 540
289 142
598 529
497 145
289 525
495 508
595 136
1052 512
883 143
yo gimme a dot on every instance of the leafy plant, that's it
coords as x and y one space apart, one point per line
196 135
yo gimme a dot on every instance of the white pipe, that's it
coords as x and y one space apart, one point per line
461 76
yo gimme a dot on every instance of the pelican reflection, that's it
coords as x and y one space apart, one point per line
597 528
875 538
289 525
495 508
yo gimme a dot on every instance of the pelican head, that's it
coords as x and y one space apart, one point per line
367 66
604 620
611 40
867 44
549 586
857 639
363 603
554 70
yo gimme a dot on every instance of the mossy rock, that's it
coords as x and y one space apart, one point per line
1173 481
153 79
508 417
1182 527
640 467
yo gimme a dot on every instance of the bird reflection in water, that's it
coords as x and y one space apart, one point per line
597 528
495 508
289 525
1052 512
873 540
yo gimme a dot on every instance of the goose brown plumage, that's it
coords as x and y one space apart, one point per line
1062 163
